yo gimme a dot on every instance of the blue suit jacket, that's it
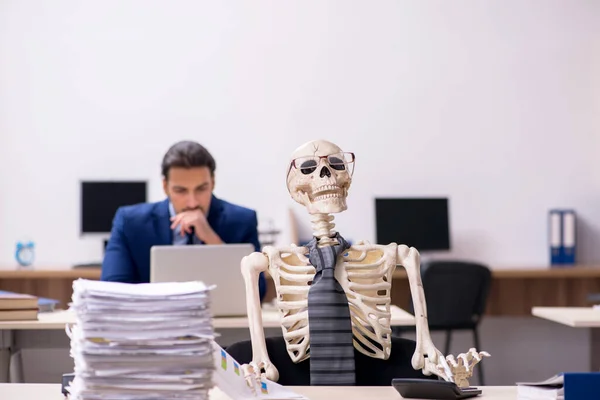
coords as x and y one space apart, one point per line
138 227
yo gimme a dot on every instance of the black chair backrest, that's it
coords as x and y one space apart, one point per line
456 293
369 371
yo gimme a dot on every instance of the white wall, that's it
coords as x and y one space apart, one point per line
495 104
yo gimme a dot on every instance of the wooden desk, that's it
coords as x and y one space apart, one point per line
59 319
46 321
576 317
513 293
14 391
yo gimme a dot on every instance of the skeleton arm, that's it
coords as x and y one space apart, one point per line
409 258
445 367
252 266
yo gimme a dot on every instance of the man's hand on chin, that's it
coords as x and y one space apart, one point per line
196 219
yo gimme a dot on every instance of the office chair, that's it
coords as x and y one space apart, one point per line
369 371
456 293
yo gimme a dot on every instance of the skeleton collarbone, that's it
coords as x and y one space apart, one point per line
365 274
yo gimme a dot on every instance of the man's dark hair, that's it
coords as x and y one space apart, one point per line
187 154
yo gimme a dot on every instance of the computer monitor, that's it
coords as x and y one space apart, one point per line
101 199
421 223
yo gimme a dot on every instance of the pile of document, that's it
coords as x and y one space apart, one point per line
550 389
141 341
230 380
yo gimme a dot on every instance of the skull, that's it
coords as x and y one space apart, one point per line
319 177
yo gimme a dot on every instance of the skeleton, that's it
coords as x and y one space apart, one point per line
463 368
319 177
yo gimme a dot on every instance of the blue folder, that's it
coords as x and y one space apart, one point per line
582 385
562 237
47 305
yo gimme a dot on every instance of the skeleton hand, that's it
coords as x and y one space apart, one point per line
463 368
434 363
253 373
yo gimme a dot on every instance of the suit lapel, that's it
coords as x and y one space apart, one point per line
215 214
162 223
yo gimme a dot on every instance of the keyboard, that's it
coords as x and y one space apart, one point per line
88 265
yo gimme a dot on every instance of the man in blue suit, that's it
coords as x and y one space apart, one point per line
191 214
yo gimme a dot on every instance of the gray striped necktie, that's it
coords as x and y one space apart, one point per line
329 324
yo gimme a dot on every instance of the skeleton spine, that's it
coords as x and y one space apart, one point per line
323 229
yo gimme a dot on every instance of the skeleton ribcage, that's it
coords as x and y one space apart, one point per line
365 273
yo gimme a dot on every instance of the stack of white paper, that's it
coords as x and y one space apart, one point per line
229 379
141 341
550 389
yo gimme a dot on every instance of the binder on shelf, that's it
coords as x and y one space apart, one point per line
555 236
562 227
568 236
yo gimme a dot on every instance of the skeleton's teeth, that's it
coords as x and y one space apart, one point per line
327 196
327 192
327 188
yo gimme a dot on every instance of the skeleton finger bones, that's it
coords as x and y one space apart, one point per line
253 375
461 367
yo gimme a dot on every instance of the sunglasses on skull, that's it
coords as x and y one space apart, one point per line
338 161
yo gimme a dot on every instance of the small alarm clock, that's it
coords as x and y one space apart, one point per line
24 253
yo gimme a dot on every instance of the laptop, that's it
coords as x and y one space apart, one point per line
218 265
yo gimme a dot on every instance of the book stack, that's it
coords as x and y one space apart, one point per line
18 306
141 341
550 389
230 380
567 385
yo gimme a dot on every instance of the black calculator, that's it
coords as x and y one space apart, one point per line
432 389
66 381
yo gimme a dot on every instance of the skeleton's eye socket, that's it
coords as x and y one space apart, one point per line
308 167
337 163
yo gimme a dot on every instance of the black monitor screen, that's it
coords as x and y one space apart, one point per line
418 222
100 201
